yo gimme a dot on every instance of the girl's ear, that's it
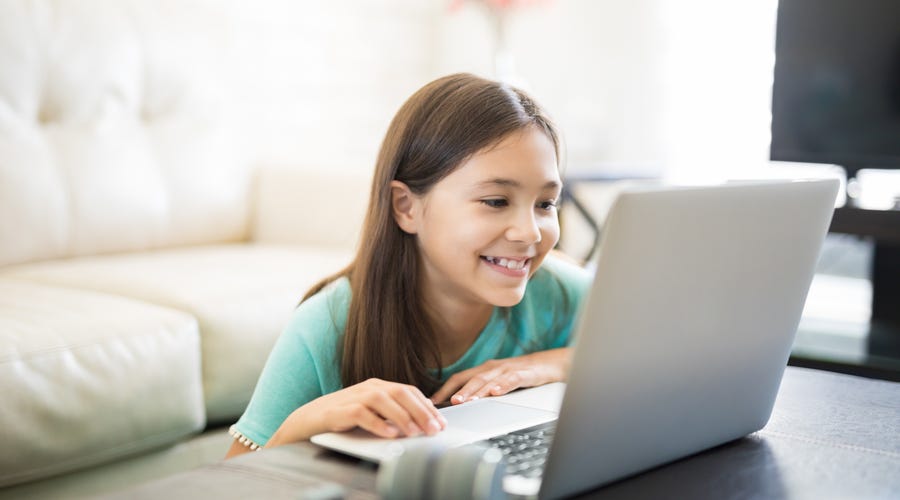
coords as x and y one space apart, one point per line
404 206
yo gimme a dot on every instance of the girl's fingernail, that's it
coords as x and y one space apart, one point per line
459 397
413 430
473 398
435 426
497 389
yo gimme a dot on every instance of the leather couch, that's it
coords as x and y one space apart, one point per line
146 264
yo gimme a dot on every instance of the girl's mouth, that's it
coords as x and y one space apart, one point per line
508 266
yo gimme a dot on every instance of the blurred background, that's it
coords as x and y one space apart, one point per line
645 89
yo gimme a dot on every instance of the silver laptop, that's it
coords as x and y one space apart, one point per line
681 343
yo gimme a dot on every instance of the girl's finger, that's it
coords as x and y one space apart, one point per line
432 409
472 387
503 384
365 418
419 409
386 404
451 386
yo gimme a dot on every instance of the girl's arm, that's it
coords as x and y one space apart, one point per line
386 409
236 449
500 376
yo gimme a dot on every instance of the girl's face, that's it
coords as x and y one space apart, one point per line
484 229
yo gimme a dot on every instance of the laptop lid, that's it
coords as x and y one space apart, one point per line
688 327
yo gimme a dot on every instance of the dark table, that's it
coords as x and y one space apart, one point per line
830 436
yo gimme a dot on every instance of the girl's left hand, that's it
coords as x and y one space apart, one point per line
500 376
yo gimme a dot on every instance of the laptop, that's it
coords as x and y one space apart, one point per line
681 343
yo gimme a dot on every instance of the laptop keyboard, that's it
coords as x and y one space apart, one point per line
525 450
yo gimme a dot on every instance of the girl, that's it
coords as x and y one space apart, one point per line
449 294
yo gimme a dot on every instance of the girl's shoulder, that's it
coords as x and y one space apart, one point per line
323 316
333 294
559 274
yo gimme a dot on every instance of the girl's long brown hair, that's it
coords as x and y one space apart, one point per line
388 334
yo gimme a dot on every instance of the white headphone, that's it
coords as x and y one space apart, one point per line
435 471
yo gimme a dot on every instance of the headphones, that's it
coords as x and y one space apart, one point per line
436 471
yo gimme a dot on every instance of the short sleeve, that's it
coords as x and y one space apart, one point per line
559 291
302 365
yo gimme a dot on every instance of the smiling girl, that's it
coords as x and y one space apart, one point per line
453 293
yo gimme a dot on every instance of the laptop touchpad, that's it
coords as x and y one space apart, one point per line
483 414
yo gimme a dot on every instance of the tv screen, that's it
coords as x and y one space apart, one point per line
836 93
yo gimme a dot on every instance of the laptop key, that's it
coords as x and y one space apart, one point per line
525 451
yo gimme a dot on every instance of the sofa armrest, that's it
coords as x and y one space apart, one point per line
309 207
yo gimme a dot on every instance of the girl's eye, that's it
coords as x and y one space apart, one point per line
547 205
495 203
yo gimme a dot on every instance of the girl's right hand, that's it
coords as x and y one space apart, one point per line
386 409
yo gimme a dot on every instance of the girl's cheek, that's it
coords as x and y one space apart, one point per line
550 232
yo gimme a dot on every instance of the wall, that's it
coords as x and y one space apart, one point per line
318 82
647 87
653 87
595 64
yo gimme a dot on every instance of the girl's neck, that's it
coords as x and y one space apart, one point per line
457 324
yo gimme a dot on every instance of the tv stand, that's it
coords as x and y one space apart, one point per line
883 226
882 344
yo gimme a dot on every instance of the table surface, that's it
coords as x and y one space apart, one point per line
830 436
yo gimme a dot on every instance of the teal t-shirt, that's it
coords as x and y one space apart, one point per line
304 363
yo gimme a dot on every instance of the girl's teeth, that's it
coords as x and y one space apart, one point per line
507 263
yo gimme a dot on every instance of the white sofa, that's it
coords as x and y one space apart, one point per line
146 265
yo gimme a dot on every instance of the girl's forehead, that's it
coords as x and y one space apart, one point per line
526 158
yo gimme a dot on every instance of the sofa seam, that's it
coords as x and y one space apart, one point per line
104 456
70 347
43 281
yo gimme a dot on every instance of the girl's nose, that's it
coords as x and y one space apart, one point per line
524 228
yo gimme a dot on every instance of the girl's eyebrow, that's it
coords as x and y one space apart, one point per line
514 183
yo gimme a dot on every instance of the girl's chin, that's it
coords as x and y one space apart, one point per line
508 299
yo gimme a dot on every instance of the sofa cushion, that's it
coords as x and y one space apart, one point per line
116 104
241 294
287 207
87 377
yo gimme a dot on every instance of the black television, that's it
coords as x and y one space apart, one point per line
836 91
